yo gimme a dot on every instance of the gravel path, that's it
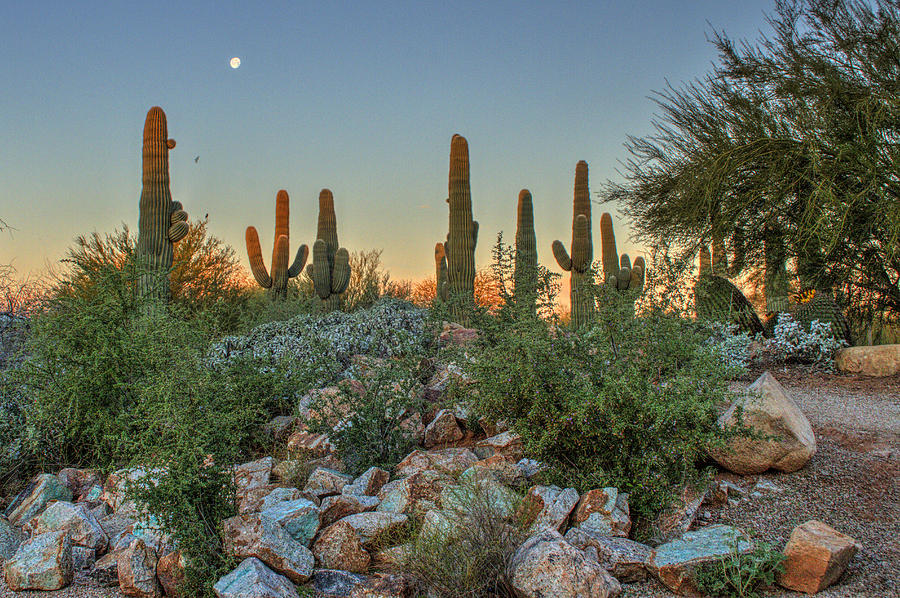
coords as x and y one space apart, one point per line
852 484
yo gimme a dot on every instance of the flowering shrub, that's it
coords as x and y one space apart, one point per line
817 346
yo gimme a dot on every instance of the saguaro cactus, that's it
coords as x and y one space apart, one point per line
281 273
579 264
161 222
525 274
618 272
441 289
330 268
463 233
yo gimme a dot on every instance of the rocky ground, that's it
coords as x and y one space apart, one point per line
851 484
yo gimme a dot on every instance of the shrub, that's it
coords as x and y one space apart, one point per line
470 551
371 425
739 574
627 402
732 347
816 346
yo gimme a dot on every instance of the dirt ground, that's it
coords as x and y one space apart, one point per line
851 484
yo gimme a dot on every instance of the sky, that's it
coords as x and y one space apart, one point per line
359 97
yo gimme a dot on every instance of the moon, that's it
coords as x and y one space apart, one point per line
235 62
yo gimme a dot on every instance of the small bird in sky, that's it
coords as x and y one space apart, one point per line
197 159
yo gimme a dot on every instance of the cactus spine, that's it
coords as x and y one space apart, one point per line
281 273
579 264
330 268
463 233
441 290
525 274
618 272
162 222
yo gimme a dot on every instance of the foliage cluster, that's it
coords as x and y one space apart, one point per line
739 575
816 346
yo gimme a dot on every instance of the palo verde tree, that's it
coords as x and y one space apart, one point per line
786 153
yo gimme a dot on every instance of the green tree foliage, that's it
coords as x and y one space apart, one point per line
791 142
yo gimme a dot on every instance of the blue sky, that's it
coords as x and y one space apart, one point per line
361 98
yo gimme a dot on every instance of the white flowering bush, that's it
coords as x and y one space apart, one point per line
387 329
729 345
816 346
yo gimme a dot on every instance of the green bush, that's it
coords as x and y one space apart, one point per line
629 402
372 424
738 575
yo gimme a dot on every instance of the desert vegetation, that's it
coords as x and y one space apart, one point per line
169 428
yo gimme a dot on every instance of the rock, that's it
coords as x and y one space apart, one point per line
676 562
392 557
337 507
768 410
42 562
383 586
256 535
299 518
417 493
676 518
137 571
480 493
279 427
334 583
413 428
105 571
308 444
114 491
878 361
530 467
625 560
548 506
252 579
340 547
373 526
170 572
546 565
115 525
369 483
80 482
442 430
252 475
102 509
10 540
448 460
324 482
264 497
83 558
507 444
604 512
457 336
83 527
42 489
817 556
499 468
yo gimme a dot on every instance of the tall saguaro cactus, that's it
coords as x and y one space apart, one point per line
463 233
579 264
161 222
330 268
525 274
618 272
281 273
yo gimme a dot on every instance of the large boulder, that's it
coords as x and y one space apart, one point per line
675 563
442 430
337 507
375 525
42 489
105 571
256 535
340 547
324 482
10 540
417 493
264 497
115 491
170 570
817 556
604 511
83 527
787 440
624 559
506 444
41 563
877 361
332 583
448 460
82 483
299 518
137 571
546 565
369 483
548 507
252 579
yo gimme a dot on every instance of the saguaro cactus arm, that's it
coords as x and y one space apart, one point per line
299 261
254 253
